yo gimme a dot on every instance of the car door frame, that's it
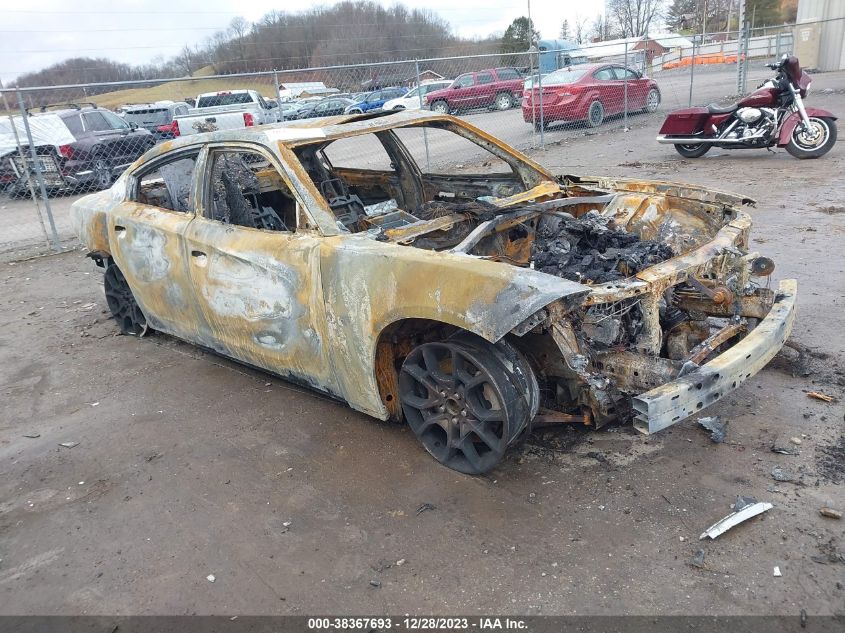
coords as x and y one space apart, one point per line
608 89
260 291
147 244
463 95
485 93
637 89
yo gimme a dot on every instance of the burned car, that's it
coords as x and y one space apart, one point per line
345 254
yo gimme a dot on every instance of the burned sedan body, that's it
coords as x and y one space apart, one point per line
343 255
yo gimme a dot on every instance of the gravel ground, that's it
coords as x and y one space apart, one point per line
189 465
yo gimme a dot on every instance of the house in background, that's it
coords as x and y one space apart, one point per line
645 47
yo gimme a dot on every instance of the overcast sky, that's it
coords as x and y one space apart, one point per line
34 35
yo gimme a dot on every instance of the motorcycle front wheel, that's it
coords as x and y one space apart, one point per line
815 142
694 150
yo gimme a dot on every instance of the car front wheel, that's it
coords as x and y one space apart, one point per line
467 400
440 107
652 100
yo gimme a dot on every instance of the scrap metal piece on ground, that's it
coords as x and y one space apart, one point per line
743 511
820 396
784 448
69 444
779 474
718 429
698 559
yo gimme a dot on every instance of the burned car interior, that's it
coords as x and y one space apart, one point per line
513 292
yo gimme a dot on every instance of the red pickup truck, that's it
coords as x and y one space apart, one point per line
498 88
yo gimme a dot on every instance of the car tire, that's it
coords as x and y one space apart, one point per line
503 101
802 146
441 107
398 108
467 400
652 101
694 150
595 114
102 173
122 305
355 111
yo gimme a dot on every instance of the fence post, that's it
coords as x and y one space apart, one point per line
29 182
625 88
425 132
533 108
691 73
540 90
278 91
741 41
37 165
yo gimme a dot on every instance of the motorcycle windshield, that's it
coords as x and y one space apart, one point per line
793 69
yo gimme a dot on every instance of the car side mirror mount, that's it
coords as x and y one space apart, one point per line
133 126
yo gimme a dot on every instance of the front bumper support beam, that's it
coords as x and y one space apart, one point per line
674 401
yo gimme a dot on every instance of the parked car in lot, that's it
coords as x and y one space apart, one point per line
413 99
375 100
156 117
454 301
79 146
225 110
332 106
589 93
499 88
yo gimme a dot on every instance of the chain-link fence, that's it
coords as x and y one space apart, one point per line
60 142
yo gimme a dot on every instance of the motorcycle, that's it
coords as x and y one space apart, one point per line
772 115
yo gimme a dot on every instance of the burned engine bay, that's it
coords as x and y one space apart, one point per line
640 327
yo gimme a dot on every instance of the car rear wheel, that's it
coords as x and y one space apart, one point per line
595 115
693 150
815 142
504 101
102 173
652 100
440 107
122 304
467 400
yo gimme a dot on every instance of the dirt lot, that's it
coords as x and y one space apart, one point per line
189 465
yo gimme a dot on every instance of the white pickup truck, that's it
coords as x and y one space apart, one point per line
227 110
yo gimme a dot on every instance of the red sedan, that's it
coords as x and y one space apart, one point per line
589 93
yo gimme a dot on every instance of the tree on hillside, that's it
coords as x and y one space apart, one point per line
603 28
564 31
789 10
763 12
580 29
519 36
634 16
348 32
682 15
